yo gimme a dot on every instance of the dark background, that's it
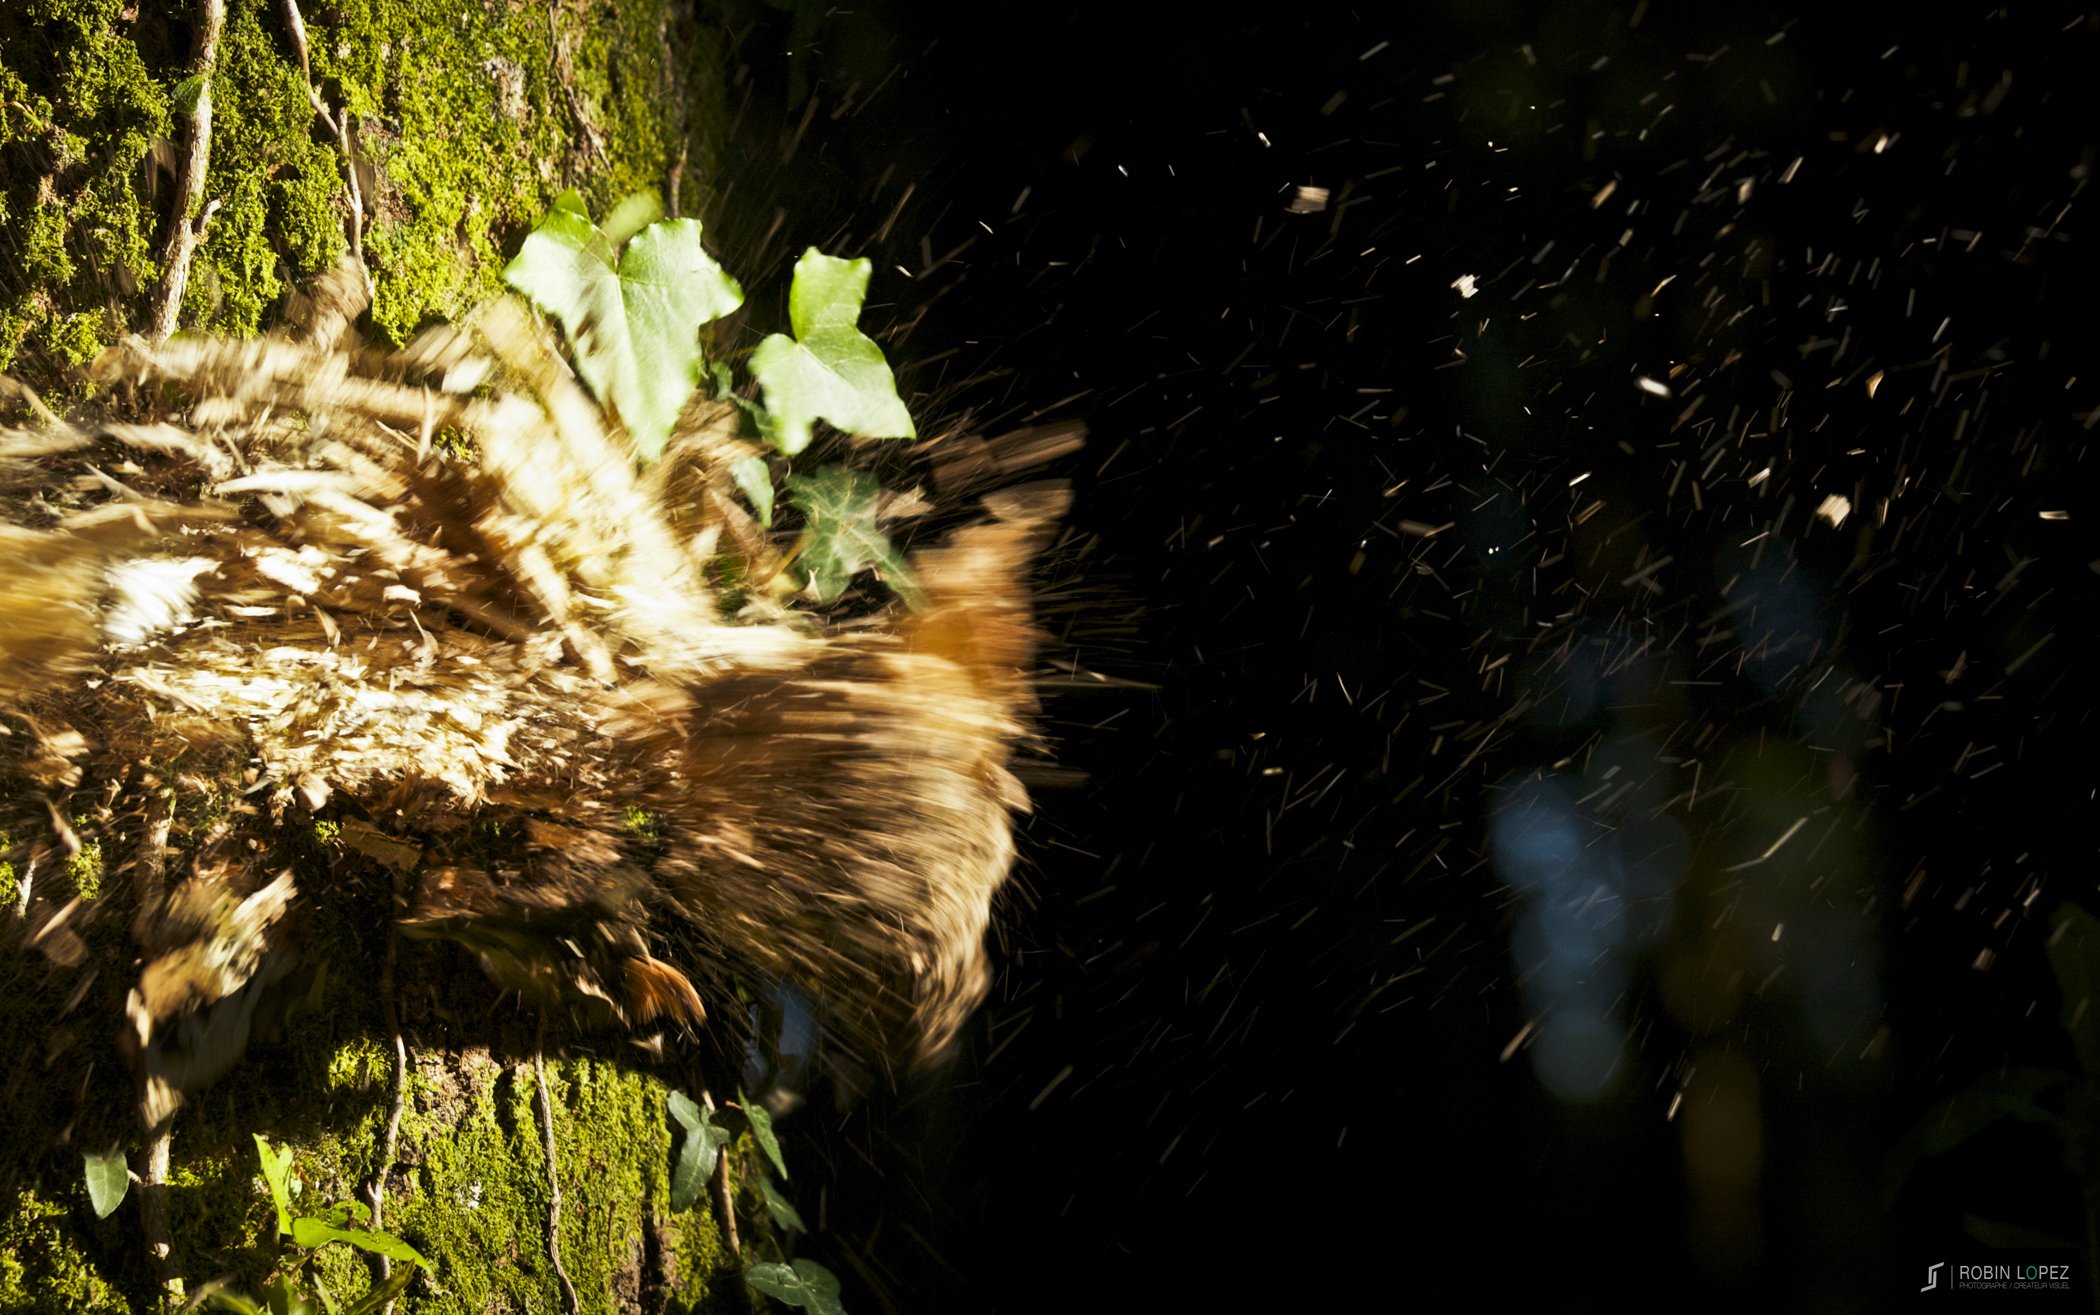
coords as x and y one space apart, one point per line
1418 934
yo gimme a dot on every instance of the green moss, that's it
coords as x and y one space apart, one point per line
695 1259
469 1184
43 1266
473 126
85 869
83 107
470 1187
467 125
456 445
218 1210
360 1065
479 1200
467 121
280 218
78 339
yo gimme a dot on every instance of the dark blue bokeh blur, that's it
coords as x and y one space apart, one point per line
1598 493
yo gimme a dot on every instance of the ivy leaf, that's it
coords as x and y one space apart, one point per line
756 480
277 1176
312 1233
631 216
671 287
108 1179
785 1215
724 381
829 370
2074 959
566 267
805 1283
704 1140
840 536
632 317
762 1129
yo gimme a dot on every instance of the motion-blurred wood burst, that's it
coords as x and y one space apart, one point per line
428 598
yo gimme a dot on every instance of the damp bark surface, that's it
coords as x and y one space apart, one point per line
426 138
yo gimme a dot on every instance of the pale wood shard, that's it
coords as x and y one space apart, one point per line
422 591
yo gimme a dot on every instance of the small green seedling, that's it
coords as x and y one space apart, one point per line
297 1287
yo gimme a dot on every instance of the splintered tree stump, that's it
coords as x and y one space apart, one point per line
420 141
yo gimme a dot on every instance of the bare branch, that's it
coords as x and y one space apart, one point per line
539 1070
191 215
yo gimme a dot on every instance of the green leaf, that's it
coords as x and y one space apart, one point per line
190 92
2074 957
762 1129
277 1176
785 1215
216 1296
344 1213
671 287
755 478
840 536
108 1179
683 1109
724 381
2013 1094
631 216
829 370
1997 1233
375 1300
566 267
805 1283
704 1140
282 1298
632 318
312 1233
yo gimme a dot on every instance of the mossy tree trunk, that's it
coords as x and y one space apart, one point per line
427 136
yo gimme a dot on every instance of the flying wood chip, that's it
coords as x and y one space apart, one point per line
450 626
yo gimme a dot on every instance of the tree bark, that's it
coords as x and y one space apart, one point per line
156 174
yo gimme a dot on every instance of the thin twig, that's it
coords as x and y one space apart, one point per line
565 78
184 230
673 94
151 880
375 1192
338 125
539 1069
725 1197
